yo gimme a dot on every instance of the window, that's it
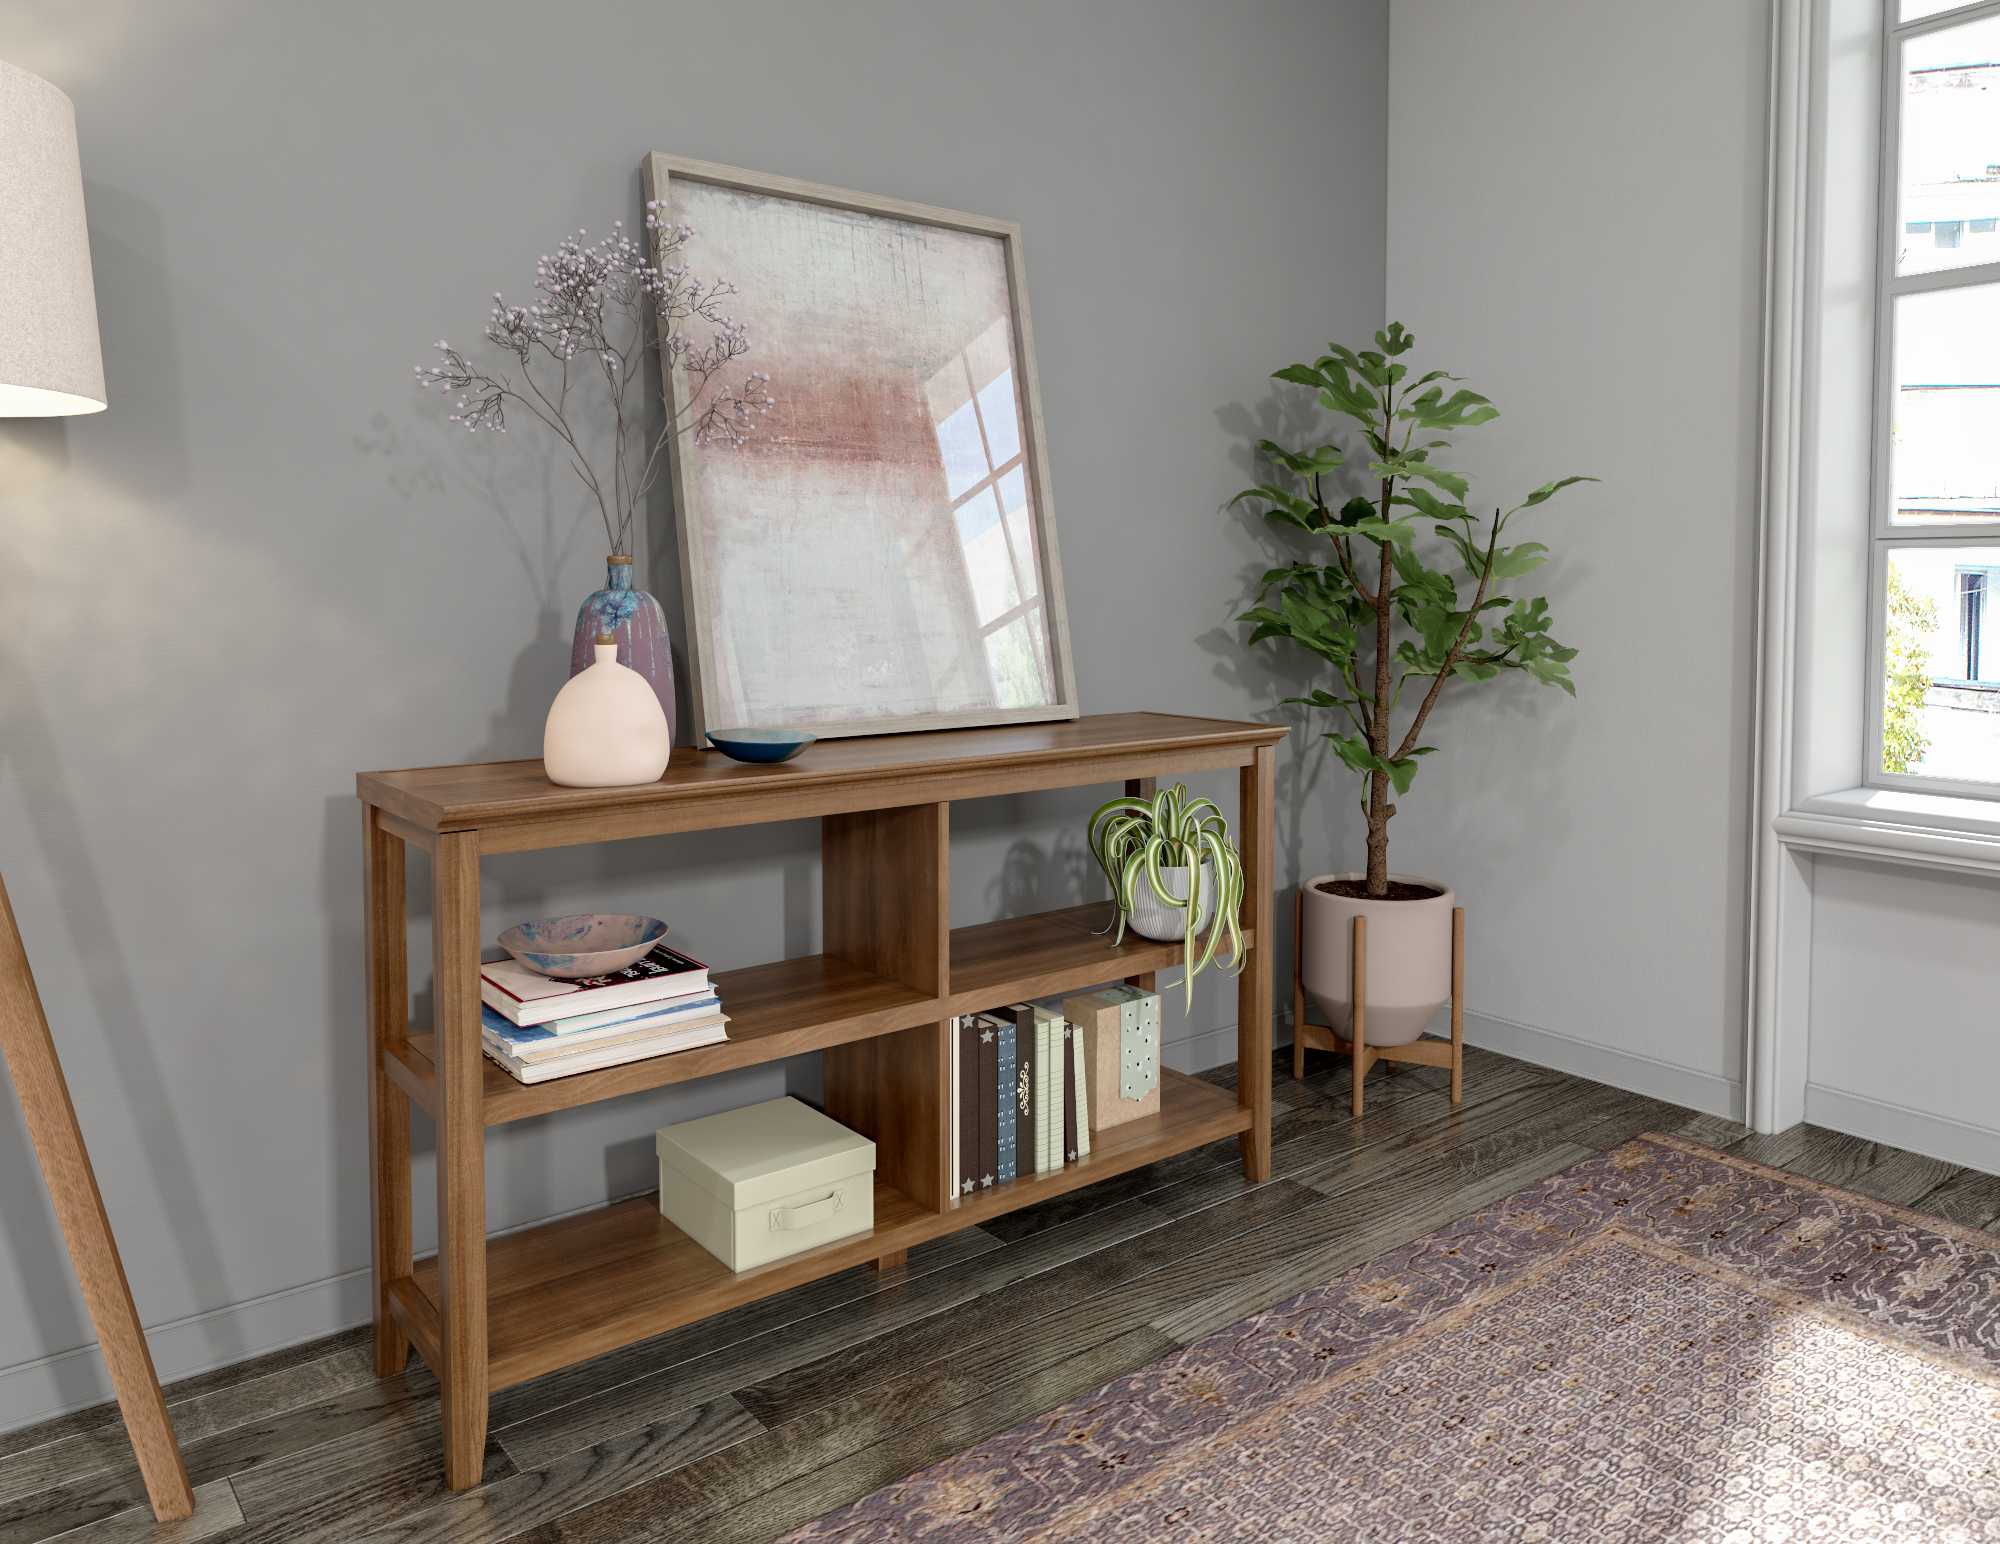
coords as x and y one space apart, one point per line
1934 714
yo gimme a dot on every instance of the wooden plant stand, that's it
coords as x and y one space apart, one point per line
58 1141
876 1004
1320 1037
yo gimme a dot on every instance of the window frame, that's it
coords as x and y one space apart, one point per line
1884 536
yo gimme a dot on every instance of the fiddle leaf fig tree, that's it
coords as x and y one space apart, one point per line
1377 612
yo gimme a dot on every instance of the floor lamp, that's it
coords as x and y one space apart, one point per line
50 367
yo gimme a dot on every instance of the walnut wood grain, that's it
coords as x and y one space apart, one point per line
789 1007
516 807
590 1283
875 1004
461 1158
1256 793
893 1088
885 900
1047 954
384 925
30 1051
1143 788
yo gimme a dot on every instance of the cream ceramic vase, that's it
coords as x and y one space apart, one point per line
1409 958
606 728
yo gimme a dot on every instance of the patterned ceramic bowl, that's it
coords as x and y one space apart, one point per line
760 744
590 944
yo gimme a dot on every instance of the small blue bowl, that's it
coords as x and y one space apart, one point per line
587 944
760 744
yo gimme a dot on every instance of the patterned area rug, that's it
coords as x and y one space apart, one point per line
1661 1343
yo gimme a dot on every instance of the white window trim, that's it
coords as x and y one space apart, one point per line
1884 535
1818 514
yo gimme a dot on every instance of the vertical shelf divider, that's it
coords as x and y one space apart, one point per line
885 891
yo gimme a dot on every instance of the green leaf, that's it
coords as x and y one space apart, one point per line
1422 584
1354 751
1512 562
1429 505
1451 482
1463 409
1396 339
1327 458
1399 532
1548 491
1299 375
1471 555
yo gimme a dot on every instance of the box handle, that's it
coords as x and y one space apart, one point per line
789 1219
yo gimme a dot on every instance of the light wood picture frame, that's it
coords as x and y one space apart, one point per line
857 564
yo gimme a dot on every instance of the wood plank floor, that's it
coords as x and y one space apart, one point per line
747 1424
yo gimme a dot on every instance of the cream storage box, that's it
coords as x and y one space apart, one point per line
769 1180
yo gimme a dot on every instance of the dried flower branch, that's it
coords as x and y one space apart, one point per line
599 307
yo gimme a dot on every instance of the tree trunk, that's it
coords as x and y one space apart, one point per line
1379 811
1379 807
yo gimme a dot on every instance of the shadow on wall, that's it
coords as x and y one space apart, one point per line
29 752
1033 878
1267 674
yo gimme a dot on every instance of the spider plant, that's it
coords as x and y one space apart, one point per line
1135 840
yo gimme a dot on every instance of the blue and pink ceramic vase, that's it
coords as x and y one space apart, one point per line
635 619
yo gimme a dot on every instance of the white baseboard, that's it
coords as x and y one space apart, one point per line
71 1380
1935 1136
1199 1053
1703 1091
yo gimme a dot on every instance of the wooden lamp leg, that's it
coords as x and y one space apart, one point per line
1457 1003
1358 994
1298 987
30 1051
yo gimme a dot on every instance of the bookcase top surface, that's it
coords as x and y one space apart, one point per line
706 788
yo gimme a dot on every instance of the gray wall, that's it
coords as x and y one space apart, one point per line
269 564
1576 225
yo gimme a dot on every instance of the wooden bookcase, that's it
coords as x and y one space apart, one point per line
875 1004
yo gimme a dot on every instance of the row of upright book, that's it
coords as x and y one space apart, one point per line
1031 1083
538 1027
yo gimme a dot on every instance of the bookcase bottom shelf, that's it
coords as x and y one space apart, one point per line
588 1284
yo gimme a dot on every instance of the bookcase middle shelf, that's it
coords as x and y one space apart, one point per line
789 1007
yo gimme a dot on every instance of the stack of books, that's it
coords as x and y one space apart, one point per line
540 1028
1021 1100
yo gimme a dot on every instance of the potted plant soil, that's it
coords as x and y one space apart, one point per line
1400 597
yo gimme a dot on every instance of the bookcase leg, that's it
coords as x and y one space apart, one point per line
388 1111
461 1159
1143 788
895 1259
1256 787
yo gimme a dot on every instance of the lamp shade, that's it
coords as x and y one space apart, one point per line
49 362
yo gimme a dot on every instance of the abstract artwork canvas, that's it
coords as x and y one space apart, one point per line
878 555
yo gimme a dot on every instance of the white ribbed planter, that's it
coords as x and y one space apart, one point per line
1151 917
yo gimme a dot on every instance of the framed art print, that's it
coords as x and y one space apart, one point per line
878 554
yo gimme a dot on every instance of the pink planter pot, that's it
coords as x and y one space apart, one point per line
1409 958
